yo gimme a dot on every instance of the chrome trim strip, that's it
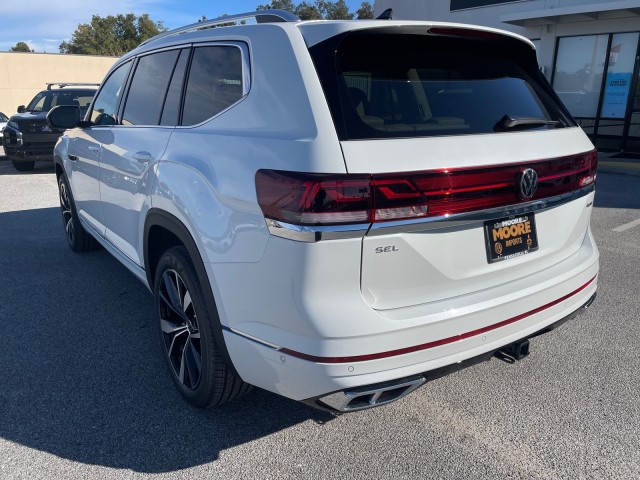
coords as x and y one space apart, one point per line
477 217
251 337
310 234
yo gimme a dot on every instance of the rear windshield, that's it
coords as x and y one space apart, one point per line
382 85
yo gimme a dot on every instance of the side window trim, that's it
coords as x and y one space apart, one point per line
246 75
125 91
166 92
183 92
185 80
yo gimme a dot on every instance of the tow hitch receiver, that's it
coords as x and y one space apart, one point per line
514 351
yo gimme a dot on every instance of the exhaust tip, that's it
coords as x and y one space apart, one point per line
372 395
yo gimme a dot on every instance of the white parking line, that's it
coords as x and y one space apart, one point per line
627 226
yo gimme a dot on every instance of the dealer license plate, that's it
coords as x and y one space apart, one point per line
510 237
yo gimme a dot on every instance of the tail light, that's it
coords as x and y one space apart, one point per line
312 199
339 199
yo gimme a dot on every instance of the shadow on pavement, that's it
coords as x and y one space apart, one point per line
82 376
612 192
7 168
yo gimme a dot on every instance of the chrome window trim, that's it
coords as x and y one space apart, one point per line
312 234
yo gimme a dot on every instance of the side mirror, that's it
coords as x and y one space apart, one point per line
63 117
105 119
22 109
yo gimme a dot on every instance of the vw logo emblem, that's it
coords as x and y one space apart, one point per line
527 183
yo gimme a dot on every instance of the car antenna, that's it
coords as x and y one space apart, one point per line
386 15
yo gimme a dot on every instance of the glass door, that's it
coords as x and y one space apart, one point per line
633 137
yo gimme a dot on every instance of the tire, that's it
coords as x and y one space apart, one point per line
185 329
23 166
77 237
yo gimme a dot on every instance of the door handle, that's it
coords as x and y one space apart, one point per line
94 149
73 158
142 157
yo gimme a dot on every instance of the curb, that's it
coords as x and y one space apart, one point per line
615 167
620 166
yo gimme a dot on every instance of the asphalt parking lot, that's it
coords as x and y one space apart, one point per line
84 392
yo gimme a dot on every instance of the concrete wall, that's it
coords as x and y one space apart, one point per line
22 75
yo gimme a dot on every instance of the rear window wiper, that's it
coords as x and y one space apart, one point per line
514 121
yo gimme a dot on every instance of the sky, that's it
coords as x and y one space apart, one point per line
43 24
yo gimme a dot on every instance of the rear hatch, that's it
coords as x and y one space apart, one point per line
460 128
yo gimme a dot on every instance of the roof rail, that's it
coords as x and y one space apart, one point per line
67 84
261 16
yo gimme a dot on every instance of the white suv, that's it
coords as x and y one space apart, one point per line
335 211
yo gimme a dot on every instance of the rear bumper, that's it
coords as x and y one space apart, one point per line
351 400
488 325
301 323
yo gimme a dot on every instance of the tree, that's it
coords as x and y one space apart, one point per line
111 35
365 12
278 5
334 10
320 9
21 47
306 11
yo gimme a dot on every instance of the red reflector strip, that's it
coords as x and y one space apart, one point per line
436 343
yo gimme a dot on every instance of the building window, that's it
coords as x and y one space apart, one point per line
463 4
617 86
579 71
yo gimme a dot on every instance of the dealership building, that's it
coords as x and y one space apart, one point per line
589 50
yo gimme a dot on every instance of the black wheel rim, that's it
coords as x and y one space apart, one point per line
180 330
67 214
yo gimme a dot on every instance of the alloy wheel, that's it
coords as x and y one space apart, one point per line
180 330
67 213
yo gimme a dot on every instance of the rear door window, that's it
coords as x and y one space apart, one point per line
148 88
408 85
